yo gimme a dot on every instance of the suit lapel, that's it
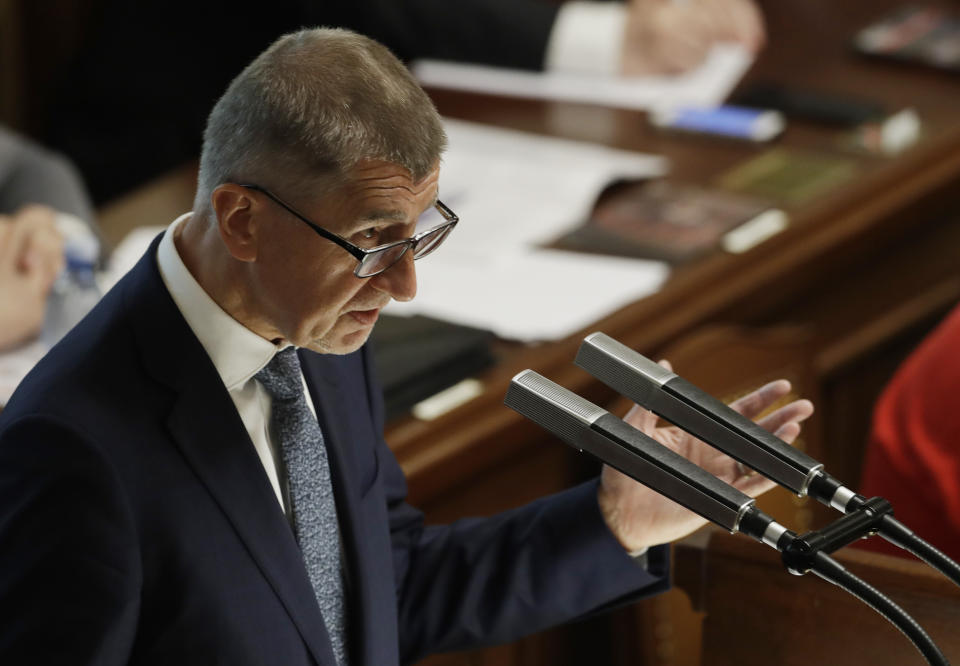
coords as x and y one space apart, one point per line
323 375
207 429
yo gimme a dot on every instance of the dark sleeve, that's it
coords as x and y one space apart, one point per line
492 580
510 33
69 564
115 115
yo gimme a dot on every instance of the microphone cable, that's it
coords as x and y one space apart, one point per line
902 536
832 571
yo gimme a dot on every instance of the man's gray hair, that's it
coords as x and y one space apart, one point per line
312 106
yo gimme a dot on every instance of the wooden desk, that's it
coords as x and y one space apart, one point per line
856 280
880 247
884 237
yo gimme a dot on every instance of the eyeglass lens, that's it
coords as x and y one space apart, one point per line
431 241
377 262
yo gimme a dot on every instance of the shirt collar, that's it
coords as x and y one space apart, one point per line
237 352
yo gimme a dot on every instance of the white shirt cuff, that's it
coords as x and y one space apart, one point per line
587 38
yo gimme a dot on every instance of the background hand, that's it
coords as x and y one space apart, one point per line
640 517
671 36
31 257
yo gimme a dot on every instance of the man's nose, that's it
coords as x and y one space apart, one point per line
400 280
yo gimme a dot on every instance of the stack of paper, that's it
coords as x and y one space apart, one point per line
706 85
514 191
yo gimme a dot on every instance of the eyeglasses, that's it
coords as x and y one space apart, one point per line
378 259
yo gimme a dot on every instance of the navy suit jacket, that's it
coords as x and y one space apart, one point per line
137 524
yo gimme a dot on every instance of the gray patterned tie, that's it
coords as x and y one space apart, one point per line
311 492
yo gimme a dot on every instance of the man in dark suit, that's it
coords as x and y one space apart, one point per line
151 490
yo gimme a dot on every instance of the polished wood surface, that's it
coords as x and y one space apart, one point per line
755 613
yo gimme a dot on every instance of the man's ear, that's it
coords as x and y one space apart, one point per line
236 212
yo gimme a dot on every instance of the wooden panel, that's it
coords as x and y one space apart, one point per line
157 204
758 614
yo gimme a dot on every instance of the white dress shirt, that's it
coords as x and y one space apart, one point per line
237 352
587 38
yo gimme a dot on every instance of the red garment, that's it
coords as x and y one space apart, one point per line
913 458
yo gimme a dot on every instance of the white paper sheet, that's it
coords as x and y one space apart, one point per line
707 85
513 191
539 295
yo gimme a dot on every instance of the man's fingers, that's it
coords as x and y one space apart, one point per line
45 252
795 412
748 24
37 215
642 419
682 56
737 20
18 240
753 485
7 254
788 432
755 402
665 37
39 243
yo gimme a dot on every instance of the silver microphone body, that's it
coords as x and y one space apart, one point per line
696 411
587 427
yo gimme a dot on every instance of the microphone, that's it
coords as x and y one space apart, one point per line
699 413
587 427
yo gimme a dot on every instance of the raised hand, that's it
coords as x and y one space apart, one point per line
640 517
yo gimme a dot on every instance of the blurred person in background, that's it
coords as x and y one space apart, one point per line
149 71
913 456
31 257
43 204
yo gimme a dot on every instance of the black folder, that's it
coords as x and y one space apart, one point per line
417 357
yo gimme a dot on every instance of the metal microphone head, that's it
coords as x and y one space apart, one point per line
677 400
617 365
589 428
551 406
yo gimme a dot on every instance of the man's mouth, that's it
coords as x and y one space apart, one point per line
365 317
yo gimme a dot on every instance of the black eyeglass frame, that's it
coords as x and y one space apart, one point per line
359 253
